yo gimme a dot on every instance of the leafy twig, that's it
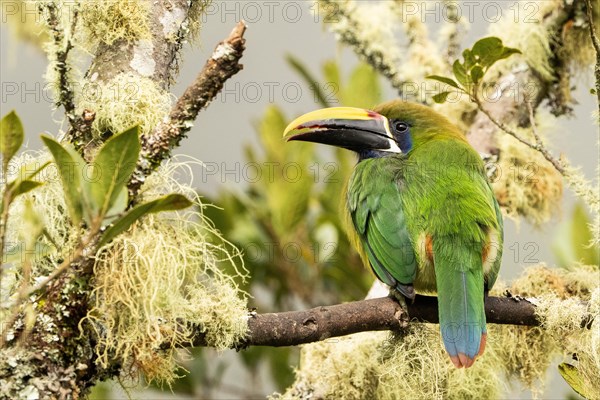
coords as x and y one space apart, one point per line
572 176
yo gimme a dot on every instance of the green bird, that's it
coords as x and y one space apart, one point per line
423 213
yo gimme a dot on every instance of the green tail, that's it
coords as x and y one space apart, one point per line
459 278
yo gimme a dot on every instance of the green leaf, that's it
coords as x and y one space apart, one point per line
363 89
271 128
509 51
331 72
571 375
112 168
476 74
32 225
288 200
440 98
469 58
571 244
70 168
11 137
333 81
119 205
170 202
489 50
444 79
309 79
25 174
461 74
23 186
18 254
582 236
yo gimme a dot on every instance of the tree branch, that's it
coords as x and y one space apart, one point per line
63 45
596 44
320 323
157 146
538 146
80 125
341 19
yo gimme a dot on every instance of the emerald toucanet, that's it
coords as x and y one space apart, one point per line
424 215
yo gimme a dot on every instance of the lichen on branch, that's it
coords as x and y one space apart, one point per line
157 145
153 284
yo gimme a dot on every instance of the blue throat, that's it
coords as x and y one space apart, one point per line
404 142
366 154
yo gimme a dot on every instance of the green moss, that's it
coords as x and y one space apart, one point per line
195 16
417 366
527 34
49 205
539 280
339 368
577 49
149 284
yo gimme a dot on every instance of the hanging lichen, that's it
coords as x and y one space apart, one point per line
124 101
160 278
155 286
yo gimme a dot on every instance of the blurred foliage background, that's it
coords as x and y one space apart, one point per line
288 221
289 224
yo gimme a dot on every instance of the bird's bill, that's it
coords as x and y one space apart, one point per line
351 128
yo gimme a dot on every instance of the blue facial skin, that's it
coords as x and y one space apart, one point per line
403 138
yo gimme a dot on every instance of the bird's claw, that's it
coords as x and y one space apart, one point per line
403 318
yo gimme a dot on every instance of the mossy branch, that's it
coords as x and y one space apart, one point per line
320 323
596 44
223 64
345 22
62 44
80 125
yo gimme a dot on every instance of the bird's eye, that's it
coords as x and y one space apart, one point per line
401 127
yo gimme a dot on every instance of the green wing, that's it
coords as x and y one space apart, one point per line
374 203
490 277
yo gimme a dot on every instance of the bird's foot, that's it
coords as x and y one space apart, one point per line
402 316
